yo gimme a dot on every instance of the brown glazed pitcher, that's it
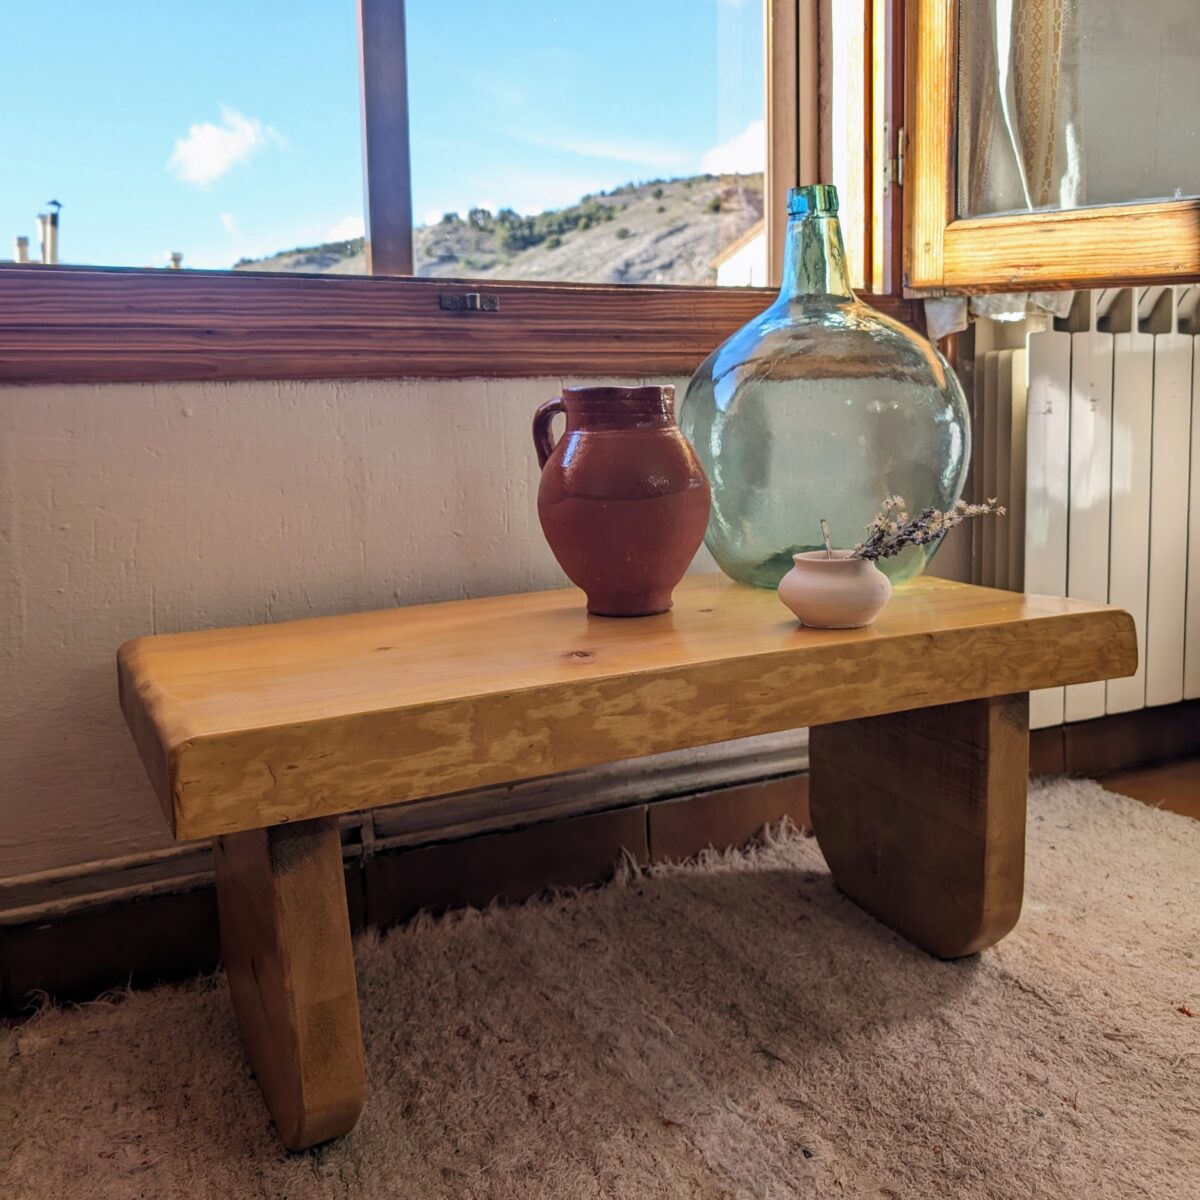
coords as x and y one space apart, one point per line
623 499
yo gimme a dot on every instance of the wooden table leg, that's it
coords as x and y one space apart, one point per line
285 941
921 818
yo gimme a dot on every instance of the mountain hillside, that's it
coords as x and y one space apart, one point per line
664 231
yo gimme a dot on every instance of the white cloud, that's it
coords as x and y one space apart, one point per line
644 154
433 216
209 151
351 226
228 223
503 92
742 154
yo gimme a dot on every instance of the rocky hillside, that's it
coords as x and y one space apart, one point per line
664 231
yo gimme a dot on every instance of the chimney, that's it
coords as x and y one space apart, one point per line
176 260
49 227
22 250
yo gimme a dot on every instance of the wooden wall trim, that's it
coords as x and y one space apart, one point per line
76 325
1145 737
168 934
56 892
155 919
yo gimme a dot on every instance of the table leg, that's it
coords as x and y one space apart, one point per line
285 941
921 818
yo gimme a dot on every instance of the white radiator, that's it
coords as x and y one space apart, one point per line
1090 433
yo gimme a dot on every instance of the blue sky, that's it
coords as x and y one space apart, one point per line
227 128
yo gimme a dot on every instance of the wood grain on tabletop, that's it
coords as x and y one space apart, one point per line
252 726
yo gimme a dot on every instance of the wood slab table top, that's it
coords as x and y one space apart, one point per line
252 727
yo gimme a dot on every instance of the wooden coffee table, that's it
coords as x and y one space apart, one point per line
259 737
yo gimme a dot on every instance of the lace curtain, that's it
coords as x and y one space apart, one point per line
1020 145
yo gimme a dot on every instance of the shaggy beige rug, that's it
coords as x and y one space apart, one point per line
731 1028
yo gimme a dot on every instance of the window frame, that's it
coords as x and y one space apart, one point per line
1109 246
71 324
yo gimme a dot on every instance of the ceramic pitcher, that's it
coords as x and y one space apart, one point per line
623 500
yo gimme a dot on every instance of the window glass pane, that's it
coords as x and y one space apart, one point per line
223 131
620 142
1074 103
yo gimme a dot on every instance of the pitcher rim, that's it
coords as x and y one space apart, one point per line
641 395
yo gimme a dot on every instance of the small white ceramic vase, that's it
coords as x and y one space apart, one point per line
834 593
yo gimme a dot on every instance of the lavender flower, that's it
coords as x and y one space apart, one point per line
893 529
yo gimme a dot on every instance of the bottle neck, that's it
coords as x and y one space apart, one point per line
814 259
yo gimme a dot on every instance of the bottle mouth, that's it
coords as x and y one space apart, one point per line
817 199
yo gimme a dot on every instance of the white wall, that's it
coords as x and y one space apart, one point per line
127 510
134 509
746 266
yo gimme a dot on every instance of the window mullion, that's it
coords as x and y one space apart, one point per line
387 187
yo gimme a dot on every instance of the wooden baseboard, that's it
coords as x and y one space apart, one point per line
1046 751
139 939
1147 737
84 936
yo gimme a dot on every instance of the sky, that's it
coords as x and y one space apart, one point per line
225 129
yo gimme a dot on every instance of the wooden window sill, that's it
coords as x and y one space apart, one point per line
101 325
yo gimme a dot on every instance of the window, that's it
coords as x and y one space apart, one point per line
617 143
224 133
1077 104
1050 145
546 129
646 167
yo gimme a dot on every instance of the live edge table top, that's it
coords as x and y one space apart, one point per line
256 726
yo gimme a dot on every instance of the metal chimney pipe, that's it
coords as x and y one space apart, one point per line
176 261
53 229
22 249
44 234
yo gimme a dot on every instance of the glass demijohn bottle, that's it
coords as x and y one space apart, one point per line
821 407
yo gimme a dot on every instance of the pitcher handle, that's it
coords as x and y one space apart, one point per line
543 441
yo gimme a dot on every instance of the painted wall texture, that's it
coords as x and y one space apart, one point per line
127 510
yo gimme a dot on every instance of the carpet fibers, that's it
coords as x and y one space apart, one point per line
727 1028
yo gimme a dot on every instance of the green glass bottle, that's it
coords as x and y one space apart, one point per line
821 407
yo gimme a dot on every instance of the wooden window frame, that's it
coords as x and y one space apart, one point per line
1114 245
90 325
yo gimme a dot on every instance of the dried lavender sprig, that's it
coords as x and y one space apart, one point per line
892 530
890 520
